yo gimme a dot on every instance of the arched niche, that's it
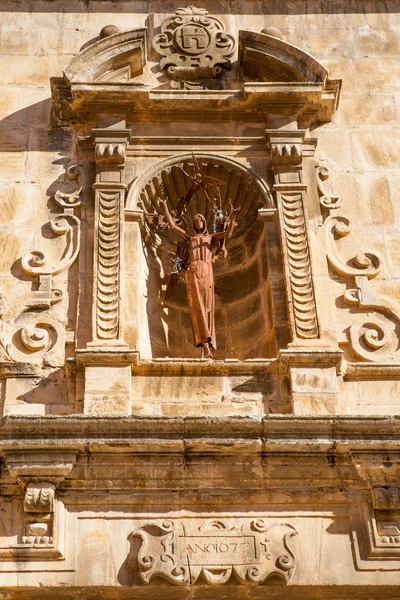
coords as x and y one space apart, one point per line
244 327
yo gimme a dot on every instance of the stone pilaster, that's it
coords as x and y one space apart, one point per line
110 150
107 374
290 191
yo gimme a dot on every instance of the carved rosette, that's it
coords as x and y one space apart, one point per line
286 157
110 153
195 49
215 551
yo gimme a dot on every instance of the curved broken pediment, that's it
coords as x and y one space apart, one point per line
267 58
106 76
115 58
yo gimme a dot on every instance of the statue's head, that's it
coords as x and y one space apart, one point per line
199 224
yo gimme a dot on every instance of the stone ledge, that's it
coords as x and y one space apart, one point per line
238 434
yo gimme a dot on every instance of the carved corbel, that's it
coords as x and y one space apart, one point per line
110 152
380 470
39 474
39 504
376 338
286 159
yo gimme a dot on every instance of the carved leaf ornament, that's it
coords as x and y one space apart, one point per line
184 552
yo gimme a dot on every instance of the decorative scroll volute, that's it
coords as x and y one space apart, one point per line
37 264
373 337
25 333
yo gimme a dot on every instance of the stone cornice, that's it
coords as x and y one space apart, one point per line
283 433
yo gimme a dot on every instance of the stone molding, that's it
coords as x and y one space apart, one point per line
280 432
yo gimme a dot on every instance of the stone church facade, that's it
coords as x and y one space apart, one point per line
131 465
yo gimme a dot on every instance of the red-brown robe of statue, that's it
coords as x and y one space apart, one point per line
200 289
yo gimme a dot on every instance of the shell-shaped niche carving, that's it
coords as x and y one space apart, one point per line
243 328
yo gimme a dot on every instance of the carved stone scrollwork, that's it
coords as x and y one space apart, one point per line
376 338
195 49
325 199
184 552
25 334
37 264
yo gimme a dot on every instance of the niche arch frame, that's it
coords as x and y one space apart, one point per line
235 277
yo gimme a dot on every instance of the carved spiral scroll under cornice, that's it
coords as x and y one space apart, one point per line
326 200
375 338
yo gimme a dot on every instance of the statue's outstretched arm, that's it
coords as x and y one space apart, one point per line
228 232
171 223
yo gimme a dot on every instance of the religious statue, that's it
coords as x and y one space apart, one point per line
197 263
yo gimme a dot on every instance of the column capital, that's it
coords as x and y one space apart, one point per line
286 146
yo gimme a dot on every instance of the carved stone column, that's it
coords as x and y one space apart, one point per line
110 150
290 190
310 364
106 362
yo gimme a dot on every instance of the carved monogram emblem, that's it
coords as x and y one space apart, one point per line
183 551
195 48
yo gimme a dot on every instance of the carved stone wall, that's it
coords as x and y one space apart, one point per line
129 466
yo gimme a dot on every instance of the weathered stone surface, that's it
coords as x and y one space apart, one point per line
128 465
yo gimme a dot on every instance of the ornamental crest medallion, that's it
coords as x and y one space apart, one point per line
195 49
215 551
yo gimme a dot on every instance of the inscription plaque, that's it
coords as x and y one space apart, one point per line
185 551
